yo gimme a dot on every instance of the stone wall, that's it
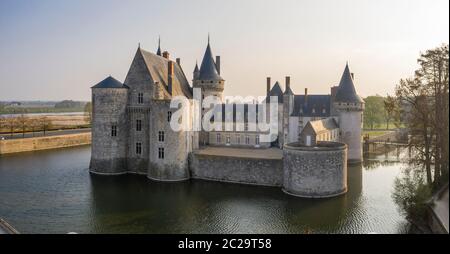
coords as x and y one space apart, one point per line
177 146
315 172
109 109
43 143
257 171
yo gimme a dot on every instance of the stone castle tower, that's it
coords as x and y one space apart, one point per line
208 76
349 107
208 79
132 132
109 101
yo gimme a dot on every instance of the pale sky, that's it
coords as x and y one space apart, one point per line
54 50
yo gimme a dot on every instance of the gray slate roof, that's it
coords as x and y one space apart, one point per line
157 67
318 126
196 68
314 106
276 91
109 82
346 91
208 70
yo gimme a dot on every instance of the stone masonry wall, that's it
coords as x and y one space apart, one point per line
43 143
315 172
267 172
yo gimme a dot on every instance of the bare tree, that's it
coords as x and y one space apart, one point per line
88 112
45 124
426 96
23 123
11 124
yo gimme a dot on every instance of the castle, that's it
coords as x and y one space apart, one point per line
131 130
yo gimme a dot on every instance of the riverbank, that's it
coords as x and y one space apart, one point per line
5 228
43 143
438 212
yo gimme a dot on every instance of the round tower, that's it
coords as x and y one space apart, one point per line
349 107
109 127
210 82
208 77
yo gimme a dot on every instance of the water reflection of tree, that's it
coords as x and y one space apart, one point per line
370 164
424 100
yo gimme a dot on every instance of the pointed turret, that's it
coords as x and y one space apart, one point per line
346 91
196 71
158 52
277 92
349 108
208 68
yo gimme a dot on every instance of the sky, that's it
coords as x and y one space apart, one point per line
55 50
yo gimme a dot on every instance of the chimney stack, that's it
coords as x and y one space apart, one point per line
288 83
169 76
306 96
268 85
218 64
178 61
166 54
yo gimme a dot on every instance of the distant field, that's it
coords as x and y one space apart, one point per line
57 122
25 110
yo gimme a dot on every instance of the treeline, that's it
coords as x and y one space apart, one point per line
381 113
422 104
23 124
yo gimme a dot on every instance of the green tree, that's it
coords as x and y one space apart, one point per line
424 103
373 112
391 110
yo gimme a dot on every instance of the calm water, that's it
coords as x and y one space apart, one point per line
52 192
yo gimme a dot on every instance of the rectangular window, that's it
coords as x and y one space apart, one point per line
140 98
161 136
228 140
113 131
246 126
247 140
169 116
218 138
257 140
138 125
238 139
160 153
138 148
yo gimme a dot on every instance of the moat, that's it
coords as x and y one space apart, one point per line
53 192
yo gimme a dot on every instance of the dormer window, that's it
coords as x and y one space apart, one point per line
324 111
313 110
140 98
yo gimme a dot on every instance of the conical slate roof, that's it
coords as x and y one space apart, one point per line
158 51
208 70
109 82
346 91
276 91
196 68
